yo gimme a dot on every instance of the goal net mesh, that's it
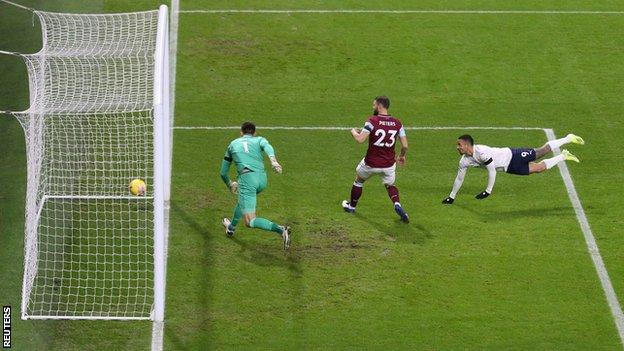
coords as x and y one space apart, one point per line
89 131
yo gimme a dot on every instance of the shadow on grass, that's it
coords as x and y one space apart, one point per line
189 219
250 251
275 256
204 288
171 336
408 232
535 212
514 214
468 208
266 257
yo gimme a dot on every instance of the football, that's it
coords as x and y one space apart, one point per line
137 187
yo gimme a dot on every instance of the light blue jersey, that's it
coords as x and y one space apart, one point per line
246 152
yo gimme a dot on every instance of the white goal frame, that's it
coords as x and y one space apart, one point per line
162 143
162 174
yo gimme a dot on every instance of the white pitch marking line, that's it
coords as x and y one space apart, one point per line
158 335
349 128
592 246
461 12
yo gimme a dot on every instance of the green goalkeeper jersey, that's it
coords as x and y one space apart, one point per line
246 152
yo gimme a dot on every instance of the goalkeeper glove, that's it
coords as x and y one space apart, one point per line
482 195
448 201
276 166
233 187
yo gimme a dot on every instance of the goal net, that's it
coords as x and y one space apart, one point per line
98 118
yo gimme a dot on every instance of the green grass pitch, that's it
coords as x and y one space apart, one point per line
511 272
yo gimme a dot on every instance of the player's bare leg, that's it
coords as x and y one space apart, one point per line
538 167
540 152
557 143
252 221
356 193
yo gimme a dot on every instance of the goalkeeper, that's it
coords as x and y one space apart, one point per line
246 153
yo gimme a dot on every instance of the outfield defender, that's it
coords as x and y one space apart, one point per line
246 152
382 130
514 161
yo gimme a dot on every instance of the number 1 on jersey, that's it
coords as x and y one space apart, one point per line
246 146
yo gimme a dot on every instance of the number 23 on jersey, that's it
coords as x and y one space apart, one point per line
381 141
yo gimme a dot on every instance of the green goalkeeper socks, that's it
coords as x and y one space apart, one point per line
265 224
237 215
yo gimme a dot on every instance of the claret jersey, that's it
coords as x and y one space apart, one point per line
384 131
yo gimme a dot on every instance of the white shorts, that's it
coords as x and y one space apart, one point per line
388 175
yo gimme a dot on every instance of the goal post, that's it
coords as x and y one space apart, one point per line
162 175
162 169
98 117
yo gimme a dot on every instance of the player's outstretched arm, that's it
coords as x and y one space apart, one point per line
459 180
491 180
401 158
275 165
359 135
268 149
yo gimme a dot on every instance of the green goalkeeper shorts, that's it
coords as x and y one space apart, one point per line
249 185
